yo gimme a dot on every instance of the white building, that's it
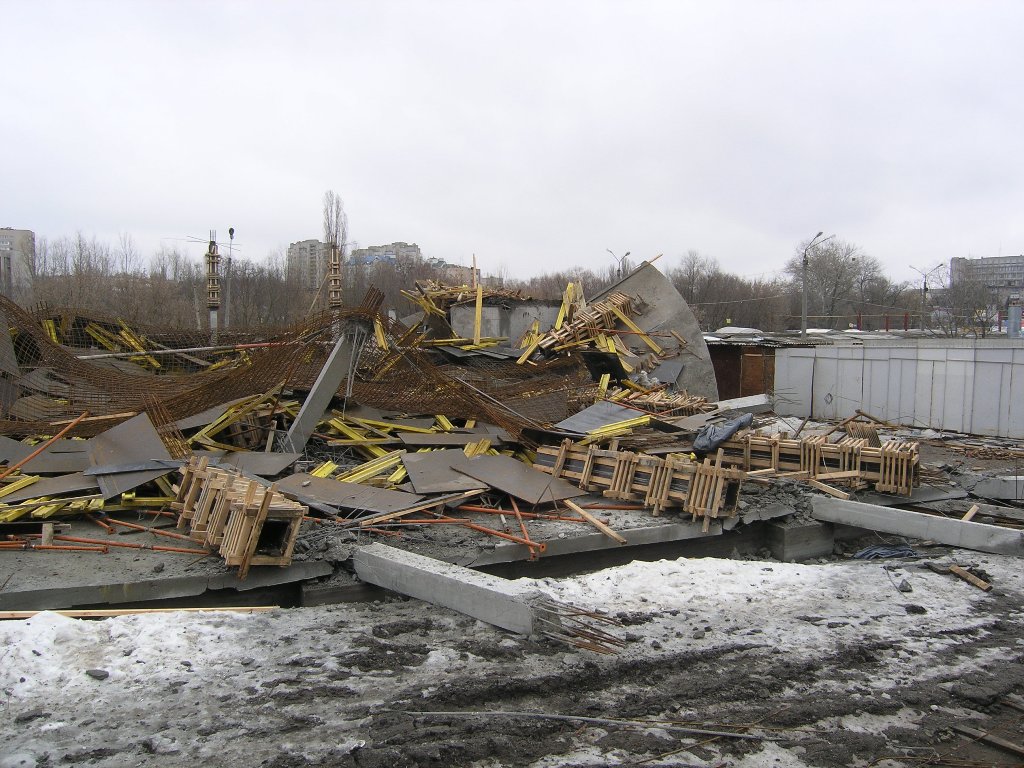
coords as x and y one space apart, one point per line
307 263
17 255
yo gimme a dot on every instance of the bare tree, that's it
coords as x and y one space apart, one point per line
832 272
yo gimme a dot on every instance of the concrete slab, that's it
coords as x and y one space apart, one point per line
1008 487
345 350
48 580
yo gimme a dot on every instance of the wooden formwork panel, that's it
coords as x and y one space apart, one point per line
852 461
248 523
704 490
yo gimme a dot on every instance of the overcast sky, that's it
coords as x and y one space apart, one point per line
533 134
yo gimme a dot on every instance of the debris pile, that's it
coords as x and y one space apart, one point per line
576 422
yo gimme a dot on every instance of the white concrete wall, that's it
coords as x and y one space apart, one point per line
974 386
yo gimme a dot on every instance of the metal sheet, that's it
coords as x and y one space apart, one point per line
432 472
132 440
350 496
208 416
260 462
59 458
517 479
134 466
73 484
416 439
600 414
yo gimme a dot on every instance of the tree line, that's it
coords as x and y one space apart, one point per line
845 287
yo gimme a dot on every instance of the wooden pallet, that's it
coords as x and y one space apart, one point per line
704 490
248 523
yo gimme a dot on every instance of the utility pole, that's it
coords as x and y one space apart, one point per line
803 311
227 279
925 274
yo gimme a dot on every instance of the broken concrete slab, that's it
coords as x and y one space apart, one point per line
918 525
1009 487
923 494
108 581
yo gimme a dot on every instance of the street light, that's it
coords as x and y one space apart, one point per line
803 312
924 286
619 260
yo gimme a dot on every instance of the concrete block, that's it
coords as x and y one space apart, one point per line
799 540
484 597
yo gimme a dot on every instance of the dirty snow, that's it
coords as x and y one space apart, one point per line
309 686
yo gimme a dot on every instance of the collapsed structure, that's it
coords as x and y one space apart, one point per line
543 428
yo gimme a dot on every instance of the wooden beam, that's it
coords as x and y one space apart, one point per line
595 522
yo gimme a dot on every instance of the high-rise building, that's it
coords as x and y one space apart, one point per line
307 263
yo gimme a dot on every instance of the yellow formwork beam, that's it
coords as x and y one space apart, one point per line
478 315
362 440
324 470
22 482
372 468
378 332
637 330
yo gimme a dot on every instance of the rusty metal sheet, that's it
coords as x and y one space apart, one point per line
349 496
432 472
133 440
74 484
517 479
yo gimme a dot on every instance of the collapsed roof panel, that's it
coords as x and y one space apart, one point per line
665 310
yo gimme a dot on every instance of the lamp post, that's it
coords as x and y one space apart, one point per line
803 311
619 260
925 274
